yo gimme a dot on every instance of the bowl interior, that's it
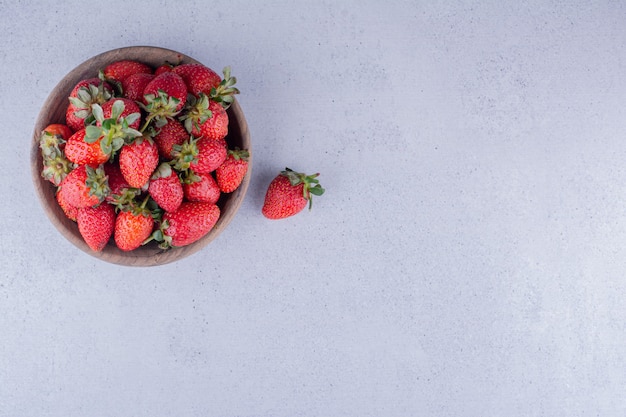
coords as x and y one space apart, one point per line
53 111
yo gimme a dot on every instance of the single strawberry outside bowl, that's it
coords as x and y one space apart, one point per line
53 111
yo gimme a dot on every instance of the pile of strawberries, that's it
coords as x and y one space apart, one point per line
142 155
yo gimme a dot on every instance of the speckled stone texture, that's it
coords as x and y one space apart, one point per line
467 259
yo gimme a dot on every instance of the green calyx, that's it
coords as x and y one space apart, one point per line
164 170
50 145
97 182
311 184
159 107
56 169
116 84
125 200
196 112
239 154
185 154
224 93
114 131
55 165
165 241
87 96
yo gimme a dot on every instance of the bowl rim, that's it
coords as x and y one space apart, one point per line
149 255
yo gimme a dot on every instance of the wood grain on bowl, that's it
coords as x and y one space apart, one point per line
53 111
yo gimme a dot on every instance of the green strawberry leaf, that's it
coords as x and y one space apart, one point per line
82 114
78 103
117 109
132 118
92 133
97 112
317 190
84 95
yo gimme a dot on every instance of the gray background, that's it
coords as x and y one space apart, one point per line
467 258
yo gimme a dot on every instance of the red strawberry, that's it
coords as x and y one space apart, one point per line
117 121
96 225
95 82
165 188
81 152
84 187
132 228
201 155
198 78
52 144
134 85
83 95
163 68
164 96
189 223
129 108
52 140
230 174
201 188
206 118
138 160
117 183
121 192
59 130
216 126
120 70
289 193
70 211
211 154
170 134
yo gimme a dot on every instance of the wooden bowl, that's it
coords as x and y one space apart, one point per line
53 111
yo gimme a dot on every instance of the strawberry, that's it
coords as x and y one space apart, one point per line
52 144
211 154
198 78
134 85
163 68
165 188
81 152
201 155
216 126
170 134
59 130
117 121
121 192
56 169
164 97
168 66
121 70
96 225
170 83
69 210
201 188
230 174
205 117
52 140
132 227
138 160
289 193
85 186
102 87
85 93
189 223
112 109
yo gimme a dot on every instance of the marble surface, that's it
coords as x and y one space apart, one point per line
467 259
